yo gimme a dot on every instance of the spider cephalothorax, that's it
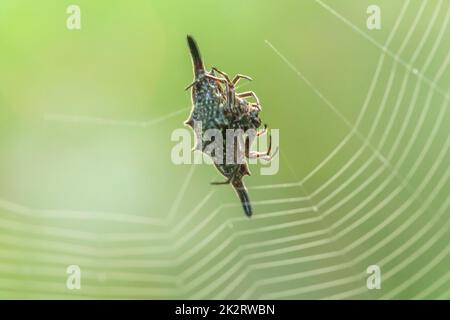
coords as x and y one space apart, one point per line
217 106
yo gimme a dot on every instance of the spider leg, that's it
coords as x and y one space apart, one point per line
248 94
250 137
239 77
262 131
257 106
223 74
228 181
262 155
230 89
191 85
222 80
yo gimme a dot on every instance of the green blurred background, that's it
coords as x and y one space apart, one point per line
86 176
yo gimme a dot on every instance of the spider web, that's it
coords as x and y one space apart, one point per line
319 263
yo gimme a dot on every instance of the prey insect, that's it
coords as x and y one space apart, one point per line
217 105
